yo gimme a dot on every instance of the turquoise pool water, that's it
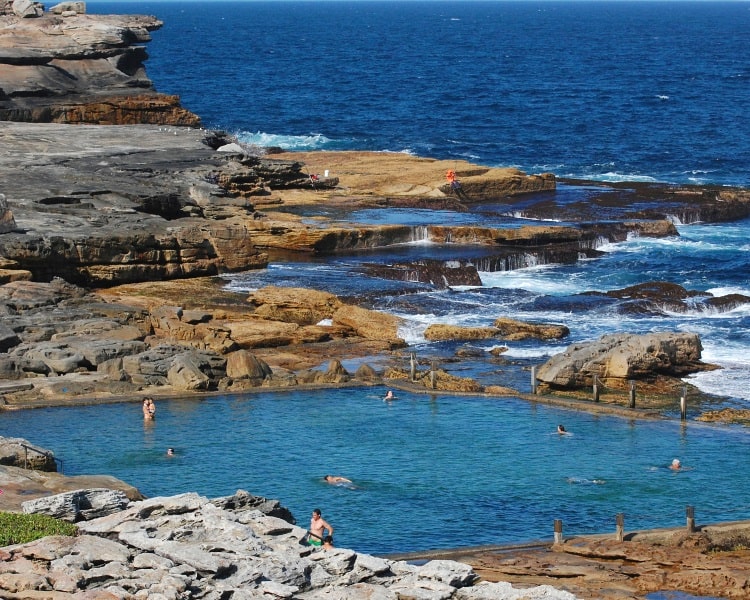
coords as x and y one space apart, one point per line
430 471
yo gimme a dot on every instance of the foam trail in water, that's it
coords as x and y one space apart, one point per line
314 141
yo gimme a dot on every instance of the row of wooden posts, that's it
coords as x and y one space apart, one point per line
620 525
595 387
631 403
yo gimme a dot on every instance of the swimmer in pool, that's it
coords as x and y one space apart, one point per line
336 480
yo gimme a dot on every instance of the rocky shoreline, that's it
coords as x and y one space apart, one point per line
113 237
119 214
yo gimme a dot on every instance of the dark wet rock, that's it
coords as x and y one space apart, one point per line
658 291
440 274
658 297
646 202
728 302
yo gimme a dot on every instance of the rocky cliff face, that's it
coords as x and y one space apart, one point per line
67 67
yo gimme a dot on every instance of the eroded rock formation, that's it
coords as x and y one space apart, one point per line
241 546
68 67
620 357
61 342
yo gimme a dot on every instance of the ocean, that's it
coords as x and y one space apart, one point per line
647 91
603 91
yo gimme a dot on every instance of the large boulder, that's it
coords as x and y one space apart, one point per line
294 305
370 324
243 365
624 356
18 452
27 9
78 505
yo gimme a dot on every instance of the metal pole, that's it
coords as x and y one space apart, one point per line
632 394
413 366
596 388
690 518
433 374
533 379
620 520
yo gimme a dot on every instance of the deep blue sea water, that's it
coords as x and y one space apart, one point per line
596 90
645 91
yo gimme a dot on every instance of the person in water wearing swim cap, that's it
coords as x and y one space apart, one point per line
676 465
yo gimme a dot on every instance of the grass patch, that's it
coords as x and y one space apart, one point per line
17 528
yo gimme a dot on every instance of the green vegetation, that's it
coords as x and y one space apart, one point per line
17 528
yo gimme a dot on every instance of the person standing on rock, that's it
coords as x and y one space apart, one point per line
317 529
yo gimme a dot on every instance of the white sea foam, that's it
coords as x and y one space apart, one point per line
540 351
718 292
314 141
540 279
732 381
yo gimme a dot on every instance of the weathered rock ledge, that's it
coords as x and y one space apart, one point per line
710 561
239 546
69 67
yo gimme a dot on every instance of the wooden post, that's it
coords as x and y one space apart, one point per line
683 404
620 520
433 375
413 366
558 531
632 394
690 518
596 388
533 379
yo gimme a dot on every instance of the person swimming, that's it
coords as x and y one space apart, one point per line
389 396
676 464
336 480
561 429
